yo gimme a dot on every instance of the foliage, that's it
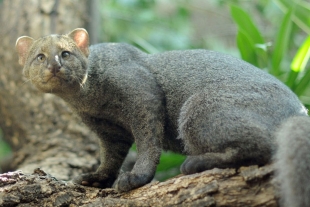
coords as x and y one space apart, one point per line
4 148
156 27
274 57
146 24
169 165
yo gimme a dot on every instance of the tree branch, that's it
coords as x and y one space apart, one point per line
249 186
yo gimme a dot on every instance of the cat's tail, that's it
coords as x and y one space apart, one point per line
292 162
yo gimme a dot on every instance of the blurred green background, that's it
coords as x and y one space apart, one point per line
273 35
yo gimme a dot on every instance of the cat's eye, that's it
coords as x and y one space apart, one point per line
65 54
41 58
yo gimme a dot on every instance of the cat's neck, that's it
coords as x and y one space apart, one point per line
84 100
76 96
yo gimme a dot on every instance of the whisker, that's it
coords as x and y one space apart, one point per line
80 80
83 81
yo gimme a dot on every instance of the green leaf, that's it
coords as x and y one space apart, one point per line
281 43
299 62
254 38
4 147
301 58
306 101
291 79
303 83
246 48
169 160
246 24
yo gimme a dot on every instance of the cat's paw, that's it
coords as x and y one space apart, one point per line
128 181
194 164
98 180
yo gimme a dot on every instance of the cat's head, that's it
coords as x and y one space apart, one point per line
55 63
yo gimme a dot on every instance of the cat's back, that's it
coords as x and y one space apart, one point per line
205 67
196 70
184 73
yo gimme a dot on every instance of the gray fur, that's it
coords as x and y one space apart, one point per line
219 110
293 162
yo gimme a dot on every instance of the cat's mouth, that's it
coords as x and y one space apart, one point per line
53 78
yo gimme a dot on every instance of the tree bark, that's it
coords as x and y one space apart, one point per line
47 137
41 129
249 186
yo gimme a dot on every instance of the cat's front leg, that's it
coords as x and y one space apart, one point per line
147 129
114 143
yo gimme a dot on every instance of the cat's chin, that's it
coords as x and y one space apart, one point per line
46 88
56 85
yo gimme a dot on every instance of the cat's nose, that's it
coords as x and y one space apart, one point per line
53 68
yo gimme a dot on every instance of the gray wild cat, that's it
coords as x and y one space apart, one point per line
219 110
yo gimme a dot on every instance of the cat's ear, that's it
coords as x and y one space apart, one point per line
80 37
22 46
